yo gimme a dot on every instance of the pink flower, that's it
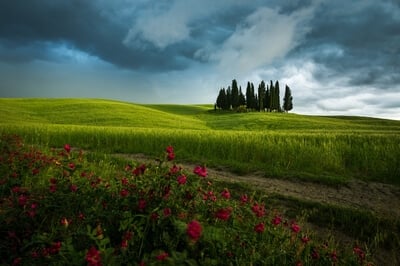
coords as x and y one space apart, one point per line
200 171
259 228
224 213
67 148
181 179
295 227
226 194
194 230
93 257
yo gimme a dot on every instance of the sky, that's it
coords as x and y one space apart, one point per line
339 57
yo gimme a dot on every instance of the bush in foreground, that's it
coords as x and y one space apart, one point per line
60 208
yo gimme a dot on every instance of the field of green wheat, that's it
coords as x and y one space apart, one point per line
316 148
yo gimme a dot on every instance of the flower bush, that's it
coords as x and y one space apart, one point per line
58 207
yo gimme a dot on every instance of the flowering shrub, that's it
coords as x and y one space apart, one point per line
59 208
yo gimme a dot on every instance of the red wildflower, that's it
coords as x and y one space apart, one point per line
305 239
358 251
124 181
174 169
334 256
162 256
169 149
73 188
200 171
226 194
71 166
124 244
81 216
65 222
124 192
259 228
55 247
276 220
53 180
53 188
93 257
22 199
244 198
315 254
181 179
295 227
258 209
67 148
142 204
167 212
171 156
139 170
35 171
194 230
224 213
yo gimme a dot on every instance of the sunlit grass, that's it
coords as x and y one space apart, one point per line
321 149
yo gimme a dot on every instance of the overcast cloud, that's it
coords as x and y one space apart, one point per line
338 57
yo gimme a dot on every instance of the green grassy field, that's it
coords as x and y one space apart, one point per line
322 149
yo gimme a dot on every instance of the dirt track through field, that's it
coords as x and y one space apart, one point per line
382 199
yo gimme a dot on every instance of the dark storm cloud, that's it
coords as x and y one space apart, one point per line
28 27
358 39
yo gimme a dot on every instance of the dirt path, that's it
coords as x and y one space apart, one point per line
382 199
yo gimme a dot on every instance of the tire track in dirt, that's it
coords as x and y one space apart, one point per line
381 199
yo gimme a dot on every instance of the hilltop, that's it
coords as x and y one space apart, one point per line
97 112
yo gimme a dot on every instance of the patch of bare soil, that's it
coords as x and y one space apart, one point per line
381 199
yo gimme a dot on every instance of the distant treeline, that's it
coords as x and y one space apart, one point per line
266 99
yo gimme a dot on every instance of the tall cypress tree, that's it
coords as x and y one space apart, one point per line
235 95
261 96
272 96
267 103
219 101
287 100
229 97
242 99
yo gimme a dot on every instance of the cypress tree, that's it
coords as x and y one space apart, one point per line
268 99
219 101
235 95
287 100
248 101
272 97
261 96
229 98
242 99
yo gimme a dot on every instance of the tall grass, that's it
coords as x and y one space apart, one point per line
326 157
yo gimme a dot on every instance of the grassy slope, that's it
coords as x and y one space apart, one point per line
121 114
275 143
